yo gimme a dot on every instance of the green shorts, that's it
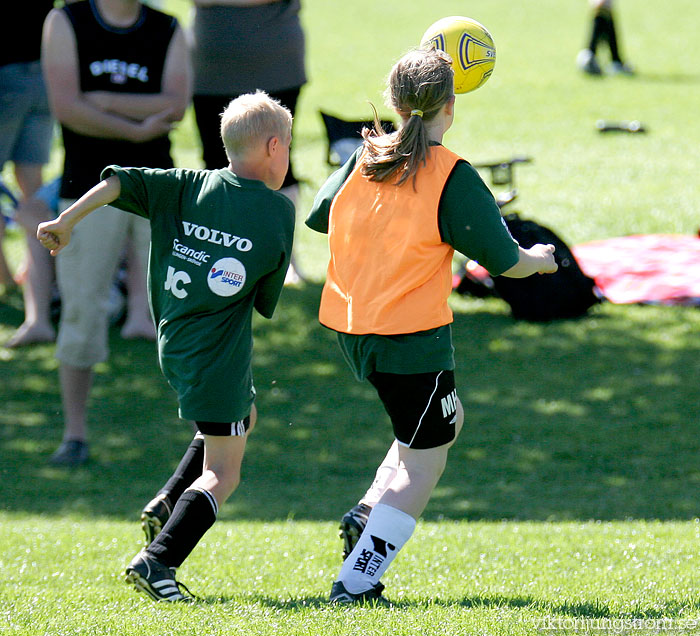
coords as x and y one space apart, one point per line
420 352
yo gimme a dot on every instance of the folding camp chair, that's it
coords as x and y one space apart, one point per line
345 136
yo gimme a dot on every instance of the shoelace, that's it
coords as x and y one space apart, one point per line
181 586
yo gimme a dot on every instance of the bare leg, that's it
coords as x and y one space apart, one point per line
294 276
37 326
222 466
223 457
416 476
75 389
406 477
139 323
28 177
6 278
384 476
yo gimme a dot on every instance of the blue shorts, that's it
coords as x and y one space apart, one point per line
26 126
48 193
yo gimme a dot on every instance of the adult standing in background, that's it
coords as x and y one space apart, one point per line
240 46
118 77
26 126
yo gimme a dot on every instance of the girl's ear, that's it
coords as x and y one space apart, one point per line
450 106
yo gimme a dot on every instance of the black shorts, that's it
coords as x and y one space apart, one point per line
224 429
422 406
207 112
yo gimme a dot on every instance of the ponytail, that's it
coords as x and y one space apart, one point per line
419 85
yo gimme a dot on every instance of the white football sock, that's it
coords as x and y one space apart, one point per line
386 533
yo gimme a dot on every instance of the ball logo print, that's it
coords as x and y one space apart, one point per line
226 277
438 41
473 51
470 46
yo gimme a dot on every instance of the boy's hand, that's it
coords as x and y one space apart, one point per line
53 235
545 254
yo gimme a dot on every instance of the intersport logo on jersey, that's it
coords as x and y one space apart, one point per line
226 277
217 237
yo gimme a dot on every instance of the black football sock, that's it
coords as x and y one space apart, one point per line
604 31
194 513
611 37
189 469
597 33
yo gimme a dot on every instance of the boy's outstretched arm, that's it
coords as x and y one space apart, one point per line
539 259
55 235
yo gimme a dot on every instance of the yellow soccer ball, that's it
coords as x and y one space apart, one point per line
470 46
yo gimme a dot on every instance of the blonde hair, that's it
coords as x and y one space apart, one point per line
419 85
252 119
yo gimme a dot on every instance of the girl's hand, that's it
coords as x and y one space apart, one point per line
545 253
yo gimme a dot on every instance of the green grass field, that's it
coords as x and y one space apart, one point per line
571 500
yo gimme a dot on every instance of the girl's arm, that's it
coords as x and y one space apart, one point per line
55 235
539 259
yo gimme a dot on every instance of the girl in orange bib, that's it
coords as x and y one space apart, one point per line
394 214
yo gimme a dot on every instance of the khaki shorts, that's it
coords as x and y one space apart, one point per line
85 271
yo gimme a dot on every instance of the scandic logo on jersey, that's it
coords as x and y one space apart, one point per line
187 253
217 236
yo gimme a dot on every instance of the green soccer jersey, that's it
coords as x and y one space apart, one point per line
220 247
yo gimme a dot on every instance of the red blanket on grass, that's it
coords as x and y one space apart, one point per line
648 268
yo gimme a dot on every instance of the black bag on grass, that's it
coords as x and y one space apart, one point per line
568 293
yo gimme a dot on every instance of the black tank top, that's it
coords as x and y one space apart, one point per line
120 60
